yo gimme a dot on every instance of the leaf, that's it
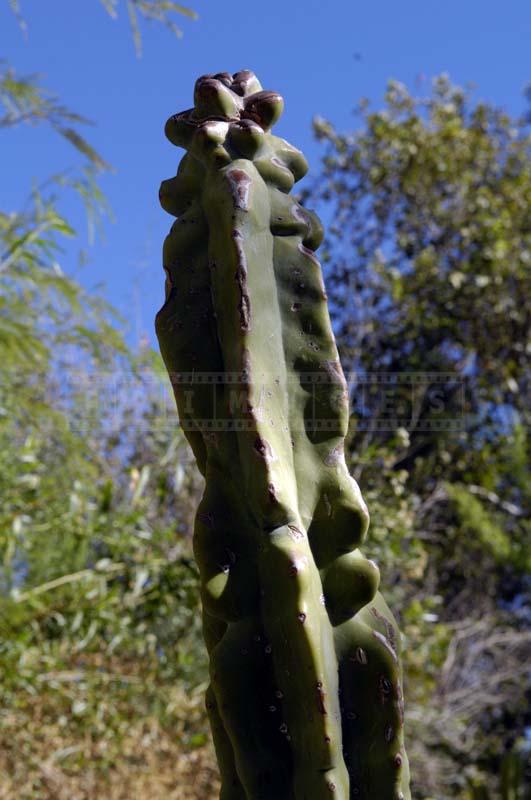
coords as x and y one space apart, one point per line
140 484
15 8
81 144
110 7
133 21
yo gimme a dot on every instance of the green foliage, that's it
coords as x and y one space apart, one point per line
98 591
41 306
99 609
474 520
428 272
161 11
24 100
152 10
432 195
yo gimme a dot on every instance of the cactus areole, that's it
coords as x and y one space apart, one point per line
305 700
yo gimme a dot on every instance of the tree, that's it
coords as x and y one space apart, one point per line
428 272
161 11
98 601
38 299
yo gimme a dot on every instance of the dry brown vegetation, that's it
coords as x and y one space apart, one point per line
40 761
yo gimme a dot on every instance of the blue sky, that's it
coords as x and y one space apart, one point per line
323 57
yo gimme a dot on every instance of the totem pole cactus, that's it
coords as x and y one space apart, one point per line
305 701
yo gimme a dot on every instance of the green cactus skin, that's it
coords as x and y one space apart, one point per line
305 701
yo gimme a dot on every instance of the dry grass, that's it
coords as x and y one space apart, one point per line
151 767
155 775
45 755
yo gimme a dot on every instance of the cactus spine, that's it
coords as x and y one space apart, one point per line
305 701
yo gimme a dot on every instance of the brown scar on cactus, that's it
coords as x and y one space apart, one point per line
286 590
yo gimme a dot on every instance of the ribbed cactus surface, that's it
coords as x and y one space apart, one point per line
305 700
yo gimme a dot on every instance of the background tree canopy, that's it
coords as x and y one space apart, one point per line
427 263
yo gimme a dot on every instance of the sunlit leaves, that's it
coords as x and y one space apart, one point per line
427 262
41 305
430 200
99 604
15 8
161 11
24 100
